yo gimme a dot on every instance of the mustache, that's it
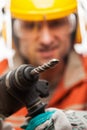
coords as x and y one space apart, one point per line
45 48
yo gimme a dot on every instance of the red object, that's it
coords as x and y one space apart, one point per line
3 66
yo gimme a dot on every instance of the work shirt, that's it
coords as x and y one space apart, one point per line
71 92
3 66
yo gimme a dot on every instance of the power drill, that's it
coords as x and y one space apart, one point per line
22 87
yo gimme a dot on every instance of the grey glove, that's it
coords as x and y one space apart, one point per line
77 119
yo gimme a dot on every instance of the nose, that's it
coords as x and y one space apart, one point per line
46 37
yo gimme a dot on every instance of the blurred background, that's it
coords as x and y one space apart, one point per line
6 51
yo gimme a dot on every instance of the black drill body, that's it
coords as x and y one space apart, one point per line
20 88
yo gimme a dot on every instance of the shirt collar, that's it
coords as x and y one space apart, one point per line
74 71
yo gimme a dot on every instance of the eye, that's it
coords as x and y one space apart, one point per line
56 23
29 25
32 25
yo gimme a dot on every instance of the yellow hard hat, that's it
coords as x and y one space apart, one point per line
37 10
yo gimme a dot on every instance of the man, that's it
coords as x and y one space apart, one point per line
47 30
44 30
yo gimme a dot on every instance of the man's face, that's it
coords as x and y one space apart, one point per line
45 40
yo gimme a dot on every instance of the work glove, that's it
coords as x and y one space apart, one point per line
5 125
77 119
51 119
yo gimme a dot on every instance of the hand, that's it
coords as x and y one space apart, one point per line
77 119
52 119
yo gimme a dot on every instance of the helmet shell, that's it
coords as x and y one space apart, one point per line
37 10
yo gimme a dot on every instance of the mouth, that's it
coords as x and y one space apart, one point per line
47 48
48 52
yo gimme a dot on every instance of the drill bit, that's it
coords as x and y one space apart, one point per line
44 67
